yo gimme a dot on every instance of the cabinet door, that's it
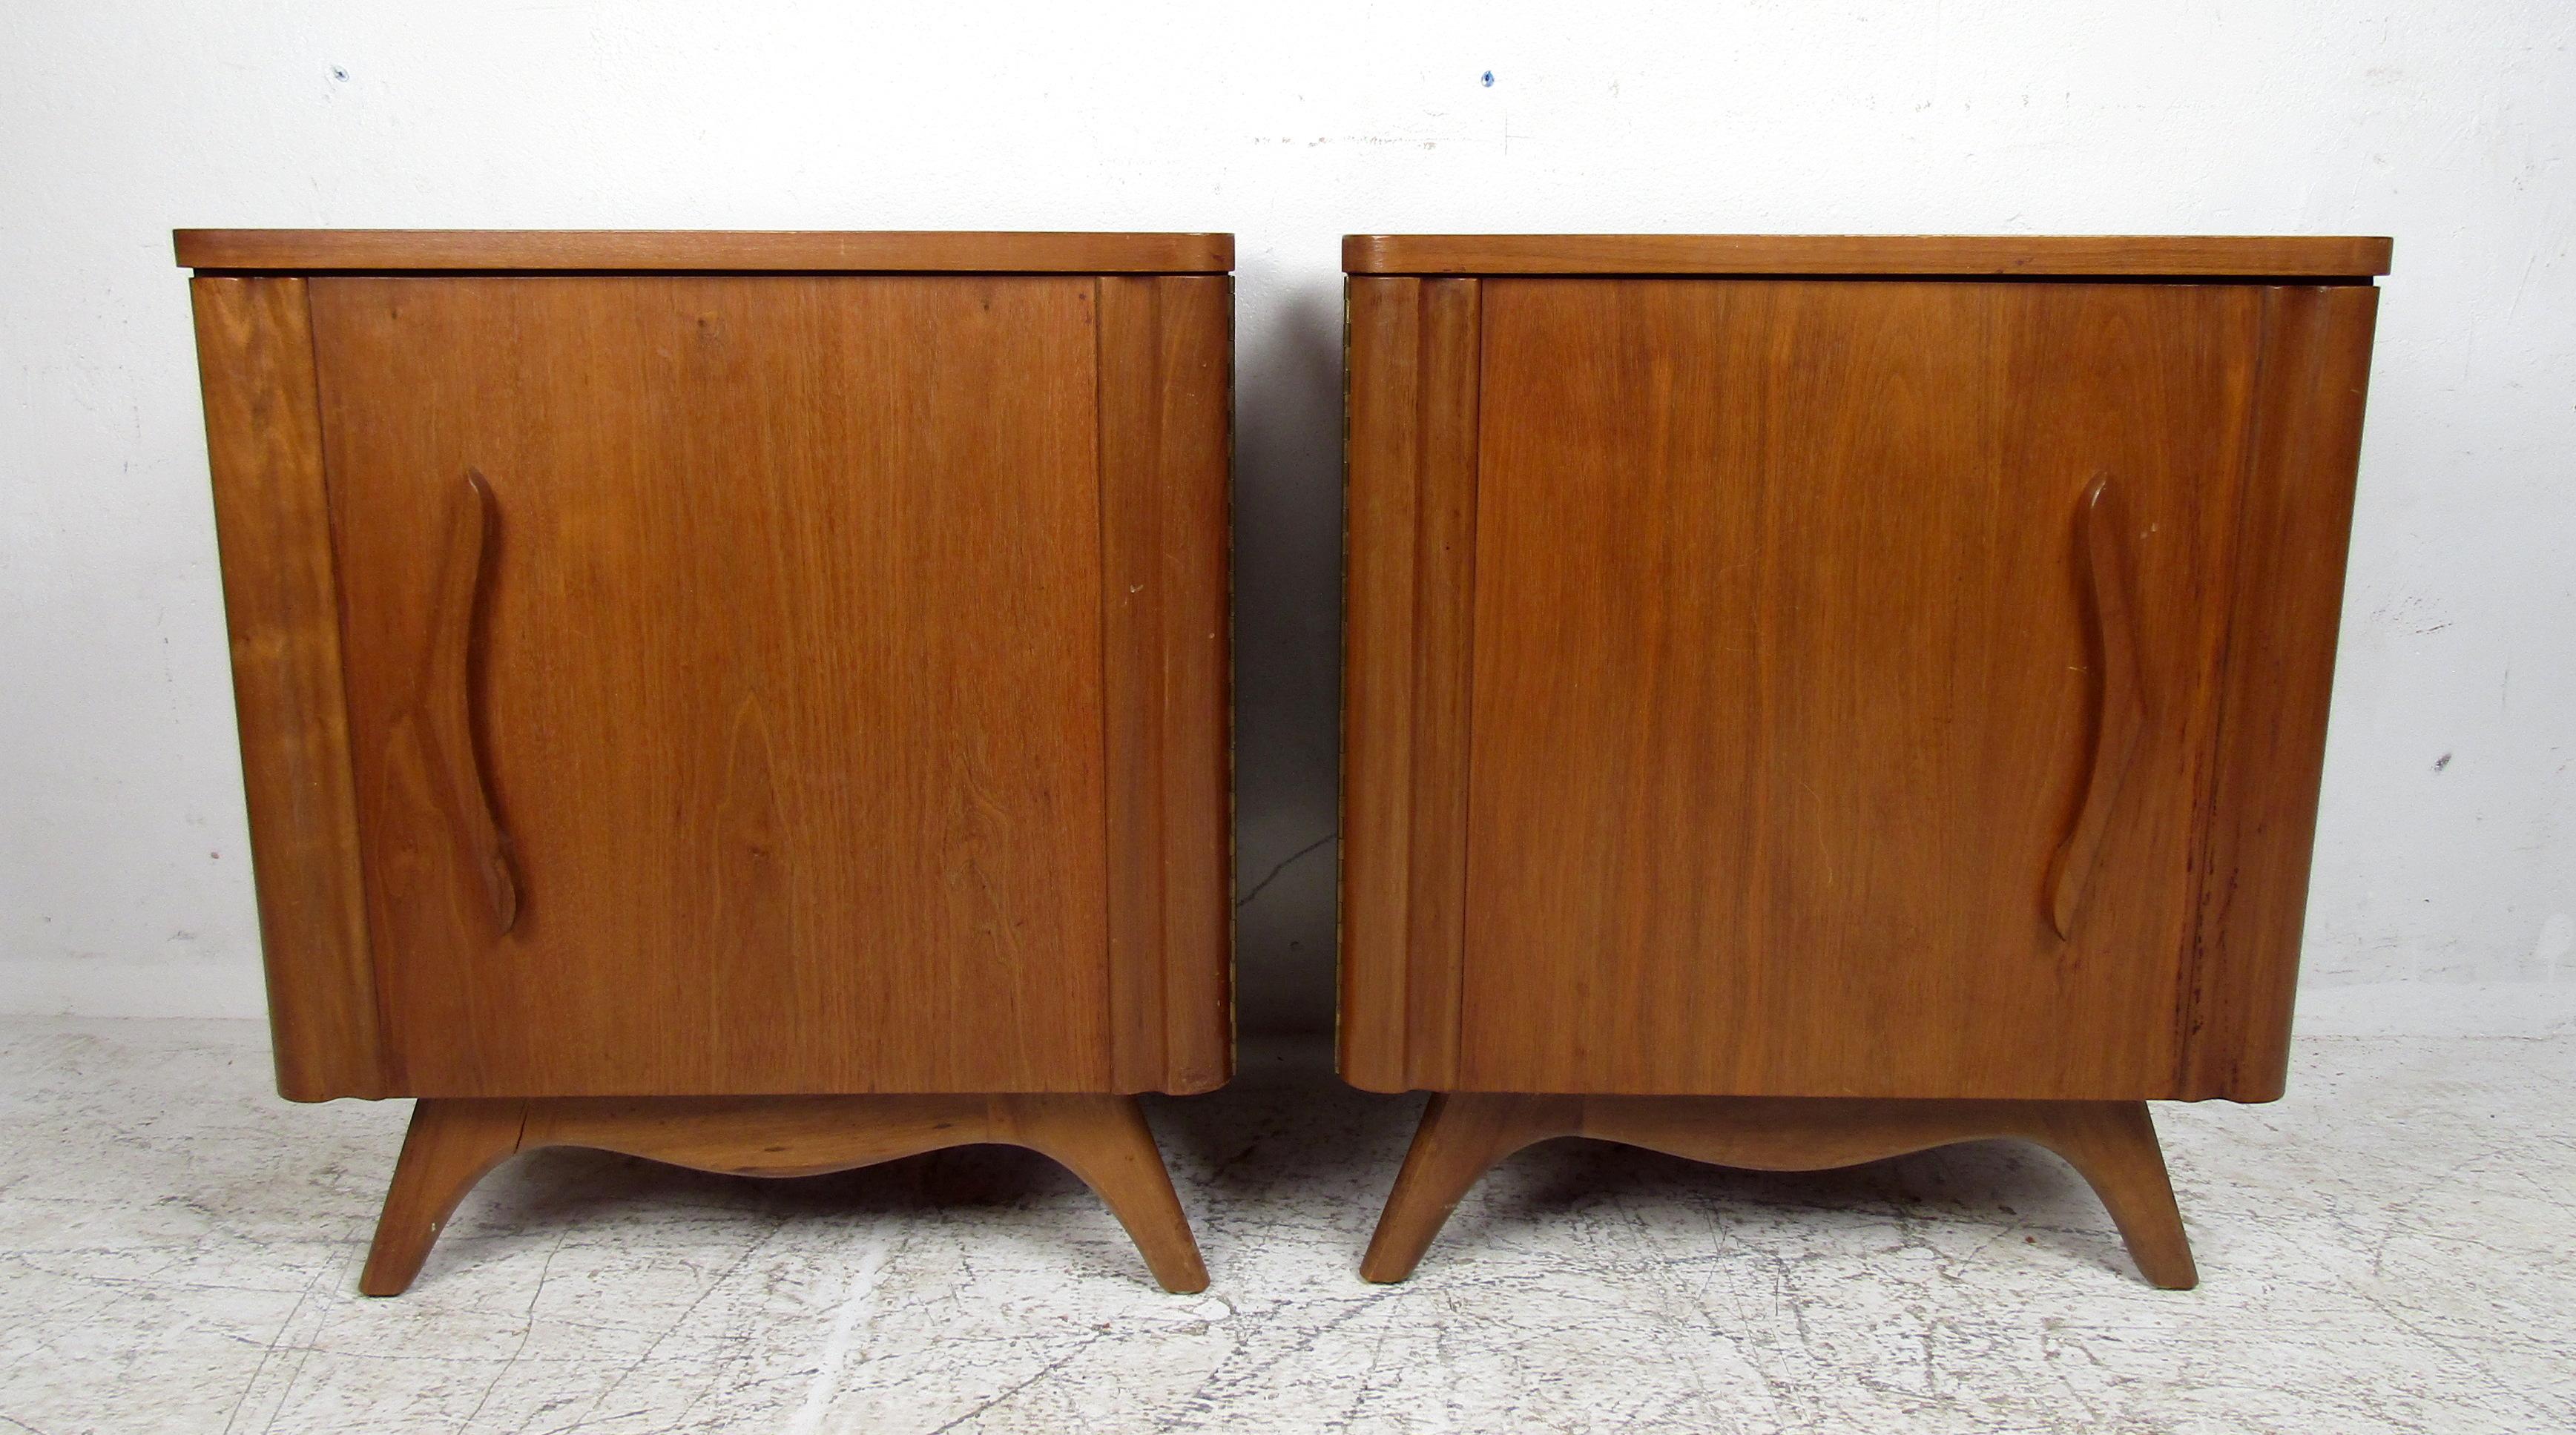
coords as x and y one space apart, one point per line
1798 638
725 677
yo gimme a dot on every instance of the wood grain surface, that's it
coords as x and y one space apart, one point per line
2097 256
1165 394
273 520
788 681
1411 556
1382 455
2261 810
1788 606
1783 708
693 250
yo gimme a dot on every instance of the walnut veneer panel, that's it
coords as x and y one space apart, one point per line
1404 769
786 679
1165 397
272 515
2288 603
1782 705
1875 688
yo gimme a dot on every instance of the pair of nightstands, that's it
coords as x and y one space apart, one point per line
759 701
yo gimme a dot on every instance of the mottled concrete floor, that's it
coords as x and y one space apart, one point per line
2389 1249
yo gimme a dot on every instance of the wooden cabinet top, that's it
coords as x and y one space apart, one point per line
667 251
2088 256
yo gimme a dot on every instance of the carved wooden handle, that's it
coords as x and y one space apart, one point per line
448 700
2124 703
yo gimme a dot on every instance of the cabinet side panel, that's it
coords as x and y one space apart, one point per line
1165 392
1444 581
1131 623
1198 753
1378 675
272 520
2262 806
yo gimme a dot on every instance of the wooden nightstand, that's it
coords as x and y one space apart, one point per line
1809 699
750 700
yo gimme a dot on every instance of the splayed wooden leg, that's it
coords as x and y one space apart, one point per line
1463 1133
2112 1144
454 1143
1104 1140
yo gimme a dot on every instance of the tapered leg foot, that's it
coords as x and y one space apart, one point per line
1462 1135
454 1143
1104 1140
451 1145
2112 1144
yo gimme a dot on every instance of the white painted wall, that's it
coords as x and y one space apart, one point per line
2443 887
